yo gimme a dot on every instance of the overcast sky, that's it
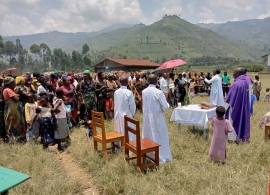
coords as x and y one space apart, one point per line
20 17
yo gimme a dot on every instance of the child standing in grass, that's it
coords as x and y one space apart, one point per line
30 110
109 106
221 127
61 117
47 124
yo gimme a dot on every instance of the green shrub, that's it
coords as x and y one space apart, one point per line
252 67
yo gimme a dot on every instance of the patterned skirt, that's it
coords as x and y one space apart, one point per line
46 127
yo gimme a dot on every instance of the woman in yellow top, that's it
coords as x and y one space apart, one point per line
30 112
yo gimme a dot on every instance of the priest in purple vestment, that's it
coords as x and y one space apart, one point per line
239 106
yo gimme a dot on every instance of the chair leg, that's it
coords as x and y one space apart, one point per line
95 145
157 156
139 162
127 155
266 133
104 149
122 144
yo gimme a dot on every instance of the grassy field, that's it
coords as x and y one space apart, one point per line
191 172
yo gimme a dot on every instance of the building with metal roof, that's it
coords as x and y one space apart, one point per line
127 65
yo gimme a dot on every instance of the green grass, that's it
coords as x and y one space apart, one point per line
47 175
191 172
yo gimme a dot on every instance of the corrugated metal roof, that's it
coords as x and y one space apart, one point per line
129 62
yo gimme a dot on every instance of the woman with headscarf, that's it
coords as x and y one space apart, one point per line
20 89
101 89
28 86
14 119
88 101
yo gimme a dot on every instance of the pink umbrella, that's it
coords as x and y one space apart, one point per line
172 64
12 71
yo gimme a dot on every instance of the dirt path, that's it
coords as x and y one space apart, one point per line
77 174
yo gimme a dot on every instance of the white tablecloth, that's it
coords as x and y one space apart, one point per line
193 115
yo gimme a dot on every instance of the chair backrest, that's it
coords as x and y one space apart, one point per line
98 122
132 122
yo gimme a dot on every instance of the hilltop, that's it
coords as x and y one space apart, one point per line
170 37
255 32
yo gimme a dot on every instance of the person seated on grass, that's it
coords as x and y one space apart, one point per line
221 127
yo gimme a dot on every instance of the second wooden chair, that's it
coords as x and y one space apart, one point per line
140 147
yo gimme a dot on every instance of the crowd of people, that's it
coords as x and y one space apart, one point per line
48 106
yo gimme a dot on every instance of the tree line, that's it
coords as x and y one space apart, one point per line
40 57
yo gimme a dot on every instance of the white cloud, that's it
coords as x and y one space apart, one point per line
234 5
92 15
235 19
208 15
264 16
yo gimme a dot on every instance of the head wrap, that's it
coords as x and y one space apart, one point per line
56 72
110 74
87 72
20 80
137 74
8 80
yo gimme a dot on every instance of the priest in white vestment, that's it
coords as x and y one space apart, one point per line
124 104
154 122
216 93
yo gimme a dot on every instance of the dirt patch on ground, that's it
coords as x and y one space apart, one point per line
77 174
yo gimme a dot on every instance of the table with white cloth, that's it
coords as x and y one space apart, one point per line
193 115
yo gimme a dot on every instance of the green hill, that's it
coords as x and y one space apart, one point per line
67 41
255 32
168 38
171 37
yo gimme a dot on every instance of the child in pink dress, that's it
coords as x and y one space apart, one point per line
221 127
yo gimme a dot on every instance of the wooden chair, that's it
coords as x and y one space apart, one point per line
266 131
140 147
105 137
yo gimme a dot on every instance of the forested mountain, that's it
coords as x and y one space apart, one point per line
67 41
255 32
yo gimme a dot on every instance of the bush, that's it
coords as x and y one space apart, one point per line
252 67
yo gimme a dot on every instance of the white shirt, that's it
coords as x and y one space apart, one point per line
216 94
40 89
131 79
164 85
124 104
154 122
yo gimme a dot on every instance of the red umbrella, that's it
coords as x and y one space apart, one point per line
172 64
12 71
